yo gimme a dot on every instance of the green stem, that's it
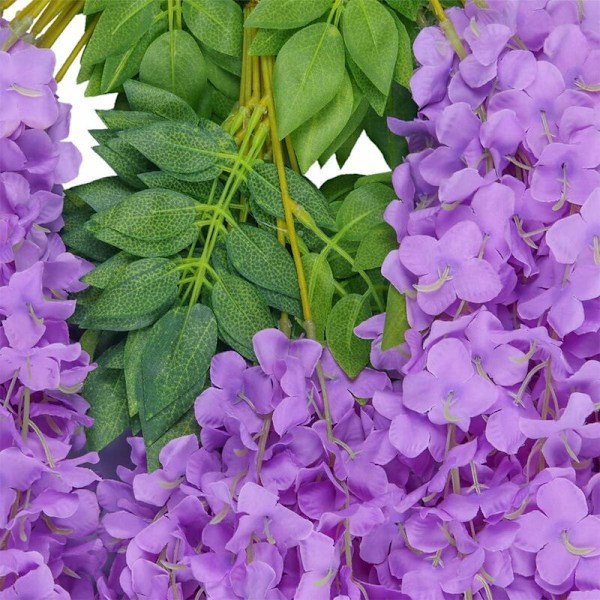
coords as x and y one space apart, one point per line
26 412
331 243
249 148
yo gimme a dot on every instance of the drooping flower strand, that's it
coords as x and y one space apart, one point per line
48 510
470 472
496 222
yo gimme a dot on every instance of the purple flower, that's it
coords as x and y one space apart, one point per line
562 534
25 83
567 172
450 390
49 514
561 292
449 268
577 234
565 437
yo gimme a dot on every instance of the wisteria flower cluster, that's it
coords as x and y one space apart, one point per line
286 497
498 224
465 465
48 516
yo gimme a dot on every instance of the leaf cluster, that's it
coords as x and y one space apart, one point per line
188 238
341 65
191 48
188 262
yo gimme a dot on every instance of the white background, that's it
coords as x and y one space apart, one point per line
365 159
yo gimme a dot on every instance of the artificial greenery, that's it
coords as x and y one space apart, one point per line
209 232
339 63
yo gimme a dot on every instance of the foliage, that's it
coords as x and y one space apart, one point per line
337 63
194 221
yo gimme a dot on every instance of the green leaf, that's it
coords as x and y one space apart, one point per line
376 245
94 86
231 64
118 68
321 287
114 357
93 6
338 187
144 248
260 258
396 321
123 165
371 37
376 98
89 342
359 110
175 360
240 311
150 215
126 119
268 42
187 425
340 267
401 106
136 425
76 236
263 183
101 194
110 271
120 26
363 209
147 291
227 83
281 302
385 177
216 23
286 14
350 352
314 136
150 223
220 105
134 349
139 163
103 136
85 72
199 190
407 8
175 63
146 98
404 63
183 149
104 389
343 153
308 73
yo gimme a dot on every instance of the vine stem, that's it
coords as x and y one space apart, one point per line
332 243
48 15
61 23
33 9
78 48
267 71
448 28
26 411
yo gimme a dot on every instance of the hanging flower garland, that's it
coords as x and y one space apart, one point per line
464 466
49 513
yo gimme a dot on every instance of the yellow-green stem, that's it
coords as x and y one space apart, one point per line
266 66
61 23
448 28
49 14
78 48
26 412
